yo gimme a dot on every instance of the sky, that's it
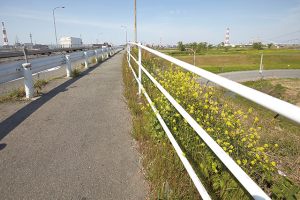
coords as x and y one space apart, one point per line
158 21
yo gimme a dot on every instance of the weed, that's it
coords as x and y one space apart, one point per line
75 72
39 84
94 60
14 95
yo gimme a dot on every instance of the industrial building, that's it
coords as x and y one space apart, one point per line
69 42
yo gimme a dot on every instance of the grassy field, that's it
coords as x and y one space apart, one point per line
218 61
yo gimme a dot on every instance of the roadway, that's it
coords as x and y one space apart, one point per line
73 142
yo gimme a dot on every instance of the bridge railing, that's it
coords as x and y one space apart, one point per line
18 69
281 107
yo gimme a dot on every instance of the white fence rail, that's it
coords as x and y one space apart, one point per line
16 70
288 110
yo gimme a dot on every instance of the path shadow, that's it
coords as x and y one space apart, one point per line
18 117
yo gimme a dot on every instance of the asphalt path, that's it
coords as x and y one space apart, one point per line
242 76
73 143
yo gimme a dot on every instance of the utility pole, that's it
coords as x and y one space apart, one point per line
54 22
135 33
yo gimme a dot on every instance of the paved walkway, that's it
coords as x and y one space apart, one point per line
243 76
73 143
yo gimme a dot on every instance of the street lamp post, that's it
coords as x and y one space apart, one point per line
194 55
125 28
54 21
135 31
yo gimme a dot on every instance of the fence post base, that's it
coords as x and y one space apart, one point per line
96 55
86 64
69 66
28 82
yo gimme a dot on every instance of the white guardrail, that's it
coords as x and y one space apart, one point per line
18 69
281 107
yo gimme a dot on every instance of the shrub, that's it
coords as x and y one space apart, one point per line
39 84
75 72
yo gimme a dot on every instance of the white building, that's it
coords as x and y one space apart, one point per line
69 42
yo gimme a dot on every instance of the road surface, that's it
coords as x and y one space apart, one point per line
243 76
73 143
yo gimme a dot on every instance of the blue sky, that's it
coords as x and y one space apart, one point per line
167 20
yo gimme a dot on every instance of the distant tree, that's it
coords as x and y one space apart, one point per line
257 45
194 46
202 46
180 46
270 45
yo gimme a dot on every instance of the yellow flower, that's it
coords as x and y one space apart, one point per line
273 164
238 162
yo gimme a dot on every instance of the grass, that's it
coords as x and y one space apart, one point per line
164 171
219 61
14 95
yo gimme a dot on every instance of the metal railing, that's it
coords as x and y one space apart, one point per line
281 107
18 69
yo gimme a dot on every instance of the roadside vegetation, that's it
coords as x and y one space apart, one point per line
247 135
19 94
220 59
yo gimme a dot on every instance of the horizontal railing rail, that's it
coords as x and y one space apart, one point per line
250 186
281 107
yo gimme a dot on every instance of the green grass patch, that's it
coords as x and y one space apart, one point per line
235 59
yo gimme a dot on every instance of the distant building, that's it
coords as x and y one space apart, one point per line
28 45
69 42
40 47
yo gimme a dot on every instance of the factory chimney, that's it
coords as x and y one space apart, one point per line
5 40
226 42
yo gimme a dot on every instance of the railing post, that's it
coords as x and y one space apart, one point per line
86 59
28 82
140 69
69 66
128 48
102 54
96 55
